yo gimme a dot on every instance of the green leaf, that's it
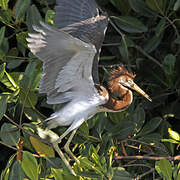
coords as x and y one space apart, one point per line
90 175
169 64
170 141
10 134
21 38
139 6
33 17
150 126
138 118
57 174
84 129
2 34
176 5
42 149
21 8
4 4
166 168
33 115
2 70
3 104
49 17
53 163
6 16
123 129
16 172
174 135
122 6
11 81
85 163
177 41
121 173
157 5
153 43
27 97
30 165
129 24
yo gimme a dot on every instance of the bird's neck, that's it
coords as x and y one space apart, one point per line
124 99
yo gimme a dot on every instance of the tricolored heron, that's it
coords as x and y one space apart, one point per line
70 53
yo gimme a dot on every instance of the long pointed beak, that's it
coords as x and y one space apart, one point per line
140 91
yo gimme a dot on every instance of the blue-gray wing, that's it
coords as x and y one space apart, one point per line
81 19
68 12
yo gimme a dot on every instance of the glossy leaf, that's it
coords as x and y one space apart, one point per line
169 64
150 126
16 172
49 17
33 17
21 8
10 134
157 5
4 4
2 70
166 168
2 34
3 105
173 134
41 148
53 162
121 173
57 174
27 97
176 5
140 7
130 24
177 41
153 43
29 165
138 118
122 6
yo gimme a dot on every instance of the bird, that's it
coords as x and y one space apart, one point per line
70 54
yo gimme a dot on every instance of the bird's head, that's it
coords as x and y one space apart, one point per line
121 80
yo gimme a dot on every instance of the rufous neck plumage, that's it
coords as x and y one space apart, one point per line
124 97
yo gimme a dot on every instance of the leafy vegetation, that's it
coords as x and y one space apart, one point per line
141 142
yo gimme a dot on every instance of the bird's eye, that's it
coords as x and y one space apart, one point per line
129 81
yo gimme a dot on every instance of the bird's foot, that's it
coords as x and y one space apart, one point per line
66 148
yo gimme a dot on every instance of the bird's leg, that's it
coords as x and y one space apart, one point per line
57 149
66 147
73 126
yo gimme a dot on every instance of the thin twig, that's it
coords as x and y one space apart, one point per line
154 158
112 44
27 132
11 147
142 165
145 174
136 46
148 56
141 142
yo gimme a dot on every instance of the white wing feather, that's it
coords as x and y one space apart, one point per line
67 64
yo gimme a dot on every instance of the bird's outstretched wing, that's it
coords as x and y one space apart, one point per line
69 12
67 64
81 19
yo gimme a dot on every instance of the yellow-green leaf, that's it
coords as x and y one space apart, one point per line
173 134
41 148
30 165
4 4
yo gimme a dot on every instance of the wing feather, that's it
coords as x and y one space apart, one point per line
67 64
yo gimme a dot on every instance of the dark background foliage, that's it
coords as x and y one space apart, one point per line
144 36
